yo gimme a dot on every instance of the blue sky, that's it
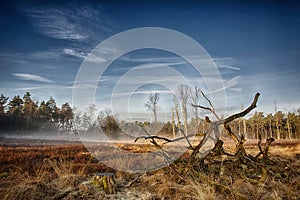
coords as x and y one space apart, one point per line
255 46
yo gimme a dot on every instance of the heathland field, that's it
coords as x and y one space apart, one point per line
57 169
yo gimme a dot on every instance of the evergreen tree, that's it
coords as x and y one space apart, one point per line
66 117
44 112
3 101
29 110
54 110
15 106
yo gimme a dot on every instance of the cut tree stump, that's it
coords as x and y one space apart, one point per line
106 182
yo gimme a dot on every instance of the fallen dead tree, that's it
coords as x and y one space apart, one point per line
220 169
216 152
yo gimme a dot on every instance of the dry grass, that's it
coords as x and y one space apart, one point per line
66 171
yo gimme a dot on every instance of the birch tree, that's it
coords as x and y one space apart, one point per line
183 92
151 104
176 109
194 96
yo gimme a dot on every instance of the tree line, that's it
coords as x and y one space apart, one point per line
279 125
24 115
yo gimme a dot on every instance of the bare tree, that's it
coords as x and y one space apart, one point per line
89 117
213 133
173 122
194 96
183 92
277 120
176 107
269 119
244 124
152 104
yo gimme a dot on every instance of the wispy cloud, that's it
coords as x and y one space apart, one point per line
82 55
147 92
48 55
235 89
228 84
32 77
31 88
220 66
75 22
222 63
55 23
232 82
156 59
29 57
51 54
74 53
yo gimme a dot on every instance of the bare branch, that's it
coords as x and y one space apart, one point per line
245 112
240 146
209 130
152 137
207 108
212 107
266 149
202 107
238 115
188 141
180 138
213 126
230 133
227 120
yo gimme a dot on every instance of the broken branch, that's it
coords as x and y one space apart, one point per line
152 137
243 113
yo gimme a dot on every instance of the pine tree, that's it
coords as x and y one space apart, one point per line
3 101
15 106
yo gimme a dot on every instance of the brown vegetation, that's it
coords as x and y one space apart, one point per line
56 171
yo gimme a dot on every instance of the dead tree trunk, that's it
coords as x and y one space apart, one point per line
176 105
173 123
226 121
212 134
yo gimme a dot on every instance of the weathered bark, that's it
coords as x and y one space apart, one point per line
211 133
176 104
245 128
245 112
106 182
225 122
173 123
270 127
264 151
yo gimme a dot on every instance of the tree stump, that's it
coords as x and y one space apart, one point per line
106 182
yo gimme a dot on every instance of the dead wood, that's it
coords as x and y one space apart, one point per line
230 118
230 133
264 151
227 127
152 138
212 127
245 112
240 150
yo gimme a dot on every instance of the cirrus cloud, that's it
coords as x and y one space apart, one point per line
32 77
